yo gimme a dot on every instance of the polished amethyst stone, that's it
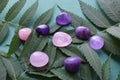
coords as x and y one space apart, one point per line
72 64
43 29
63 19
96 42
82 32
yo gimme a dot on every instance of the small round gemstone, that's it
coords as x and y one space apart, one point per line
72 64
63 19
42 29
39 59
82 32
96 42
61 39
24 33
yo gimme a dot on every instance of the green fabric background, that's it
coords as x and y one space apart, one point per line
70 5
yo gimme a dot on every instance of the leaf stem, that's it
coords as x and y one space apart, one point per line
8 22
23 73
13 24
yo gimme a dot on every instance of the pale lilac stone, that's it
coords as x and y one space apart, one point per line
61 39
39 59
24 33
96 42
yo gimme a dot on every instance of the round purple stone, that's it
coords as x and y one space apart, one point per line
43 29
72 64
82 32
96 42
63 19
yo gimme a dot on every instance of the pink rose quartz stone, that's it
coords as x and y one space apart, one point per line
24 33
39 59
61 39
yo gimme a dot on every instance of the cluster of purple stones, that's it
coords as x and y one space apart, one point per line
61 39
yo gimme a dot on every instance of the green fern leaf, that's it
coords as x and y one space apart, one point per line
14 10
78 21
42 43
94 15
3 4
49 75
114 31
59 60
112 44
34 43
92 57
106 69
31 44
54 27
14 44
85 72
64 75
71 32
52 54
3 31
44 18
111 9
3 72
27 16
77 41
12 67
118 78
72 51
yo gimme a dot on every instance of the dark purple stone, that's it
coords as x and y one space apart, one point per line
63 19
43 29
83 32
72 64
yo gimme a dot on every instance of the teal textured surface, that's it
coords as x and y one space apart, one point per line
69 5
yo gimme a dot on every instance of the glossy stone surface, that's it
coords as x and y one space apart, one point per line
61 39
43 29
72 64
96 42
63 19
24 33
82 32
39 59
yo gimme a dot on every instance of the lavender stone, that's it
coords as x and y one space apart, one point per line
63 19
96 42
